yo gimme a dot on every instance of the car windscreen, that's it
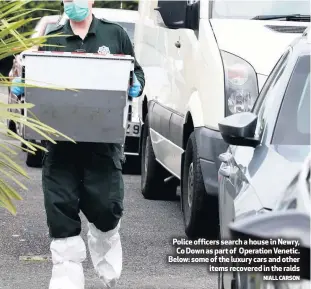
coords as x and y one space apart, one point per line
228 9
293 123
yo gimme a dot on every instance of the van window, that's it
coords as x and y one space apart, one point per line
230 9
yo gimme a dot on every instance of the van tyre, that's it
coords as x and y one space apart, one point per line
34 160
153 174
199 211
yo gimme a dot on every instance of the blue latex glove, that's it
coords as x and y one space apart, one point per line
135 89
15 88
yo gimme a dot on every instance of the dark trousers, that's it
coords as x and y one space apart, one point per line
86 177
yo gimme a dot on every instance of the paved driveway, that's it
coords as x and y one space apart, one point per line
146 231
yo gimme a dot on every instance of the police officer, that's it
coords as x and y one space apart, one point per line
86 176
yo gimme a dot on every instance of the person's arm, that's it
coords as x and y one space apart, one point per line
127 48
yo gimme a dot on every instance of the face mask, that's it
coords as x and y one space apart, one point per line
77 10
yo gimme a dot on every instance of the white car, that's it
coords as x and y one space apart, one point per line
203 61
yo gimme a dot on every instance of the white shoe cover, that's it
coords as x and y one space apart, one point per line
106 253
67 256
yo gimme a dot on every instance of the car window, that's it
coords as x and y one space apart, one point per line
293 123
49 27
270 88
271 78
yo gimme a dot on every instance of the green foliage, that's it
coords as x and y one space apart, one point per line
13 16
17 21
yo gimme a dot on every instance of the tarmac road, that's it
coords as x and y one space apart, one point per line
147 229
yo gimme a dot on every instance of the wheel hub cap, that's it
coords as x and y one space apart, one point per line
190 185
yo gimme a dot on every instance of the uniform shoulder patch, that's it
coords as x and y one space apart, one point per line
110 22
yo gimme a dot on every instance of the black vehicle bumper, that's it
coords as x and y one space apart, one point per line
210 145
132 146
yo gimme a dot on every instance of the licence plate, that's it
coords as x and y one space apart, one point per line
133 129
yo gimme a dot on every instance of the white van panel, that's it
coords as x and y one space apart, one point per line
167 153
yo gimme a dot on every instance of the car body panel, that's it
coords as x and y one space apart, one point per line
253 180
249 43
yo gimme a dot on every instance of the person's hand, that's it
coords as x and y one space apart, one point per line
135 89
15 88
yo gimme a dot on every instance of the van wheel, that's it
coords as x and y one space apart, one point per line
153 174
199 211
34 160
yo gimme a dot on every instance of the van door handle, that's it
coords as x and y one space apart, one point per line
178 44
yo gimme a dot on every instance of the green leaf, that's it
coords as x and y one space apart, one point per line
9 163
8 149
17 21
5 200
13 178
15 105
22 148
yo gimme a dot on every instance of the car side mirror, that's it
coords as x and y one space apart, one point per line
288 225
173 13
239 129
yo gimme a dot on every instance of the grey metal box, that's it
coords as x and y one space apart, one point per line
91 102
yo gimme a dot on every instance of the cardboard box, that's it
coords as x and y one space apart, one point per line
94 105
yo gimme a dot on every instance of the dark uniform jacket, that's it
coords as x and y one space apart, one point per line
85 176
103 35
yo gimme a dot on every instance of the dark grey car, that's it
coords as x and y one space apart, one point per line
290 219
268 145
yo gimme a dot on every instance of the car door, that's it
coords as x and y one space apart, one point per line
258 176
241 167
286 137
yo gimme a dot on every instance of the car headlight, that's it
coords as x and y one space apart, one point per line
241 85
